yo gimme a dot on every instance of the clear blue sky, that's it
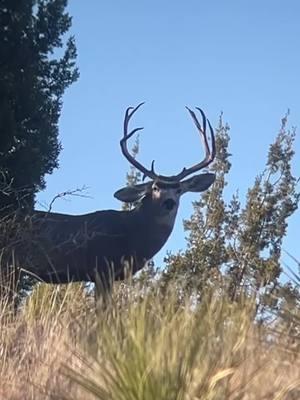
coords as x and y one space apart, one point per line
239 57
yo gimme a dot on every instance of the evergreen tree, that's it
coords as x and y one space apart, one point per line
33 79
239 246
37 64
208 229
263 221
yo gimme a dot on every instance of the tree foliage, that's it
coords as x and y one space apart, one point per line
209 228
263 221
37 65
239 243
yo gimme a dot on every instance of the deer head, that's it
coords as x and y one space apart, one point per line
162 193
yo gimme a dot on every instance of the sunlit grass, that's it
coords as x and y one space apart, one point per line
162 351
142 348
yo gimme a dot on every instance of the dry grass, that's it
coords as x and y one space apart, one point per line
141 349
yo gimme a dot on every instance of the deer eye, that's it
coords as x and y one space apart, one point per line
155 189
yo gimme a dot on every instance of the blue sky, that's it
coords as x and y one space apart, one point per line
239 57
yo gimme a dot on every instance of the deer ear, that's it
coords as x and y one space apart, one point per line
198 183
130 194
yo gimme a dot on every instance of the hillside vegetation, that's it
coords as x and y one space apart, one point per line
144 347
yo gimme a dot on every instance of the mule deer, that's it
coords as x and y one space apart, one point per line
66 248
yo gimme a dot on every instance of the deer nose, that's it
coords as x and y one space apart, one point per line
169 204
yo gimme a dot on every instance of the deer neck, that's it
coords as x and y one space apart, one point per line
152 231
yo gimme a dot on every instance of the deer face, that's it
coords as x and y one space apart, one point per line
163 196
160 197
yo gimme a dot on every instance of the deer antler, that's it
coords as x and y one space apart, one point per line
128 114
209 154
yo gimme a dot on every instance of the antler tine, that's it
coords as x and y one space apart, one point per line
123 143
209 154
213 141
